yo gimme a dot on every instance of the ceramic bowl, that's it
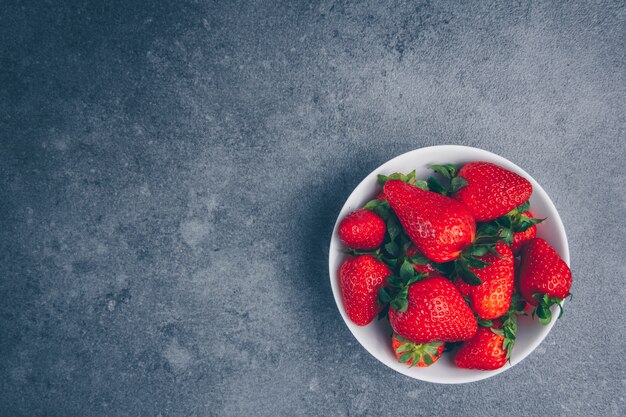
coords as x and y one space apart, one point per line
375 337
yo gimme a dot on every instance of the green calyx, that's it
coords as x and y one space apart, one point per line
509 324
487 236
396 240
413 353
543 310
484 323
408 178
395 292
513 222
444 269
470 258
504 228
462 270
380 207
449 172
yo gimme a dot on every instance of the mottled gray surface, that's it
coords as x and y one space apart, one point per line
170 173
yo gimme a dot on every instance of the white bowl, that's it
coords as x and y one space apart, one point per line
376 337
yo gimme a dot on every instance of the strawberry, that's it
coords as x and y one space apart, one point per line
416 355
493 342
484 351
424 267
544 278
519 238
492 298
491 190
360 279
362 229
434 311
439 226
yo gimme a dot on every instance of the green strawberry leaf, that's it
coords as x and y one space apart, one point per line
517 304
447 170
392 248
403 347
457 183
507 235
394 281
543 309
492 249
383 296
421 184
407 271
478 250
393 228
428 360
399 305
505 221
380 207
474 262
524 223
415 278
435 186
497 331
382 179
466 274
524 207
392 262
484 323
446 269
405 357
509 324
544 314
487 230
509 330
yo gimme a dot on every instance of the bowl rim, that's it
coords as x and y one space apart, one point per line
335 244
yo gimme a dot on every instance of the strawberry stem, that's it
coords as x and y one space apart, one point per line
543 310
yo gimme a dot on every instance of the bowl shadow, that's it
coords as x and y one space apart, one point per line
314 209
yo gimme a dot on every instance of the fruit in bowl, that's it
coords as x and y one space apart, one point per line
429 262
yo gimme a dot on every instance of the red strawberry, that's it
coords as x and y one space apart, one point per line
360 279
520 238
416 355
544 278
491 191
362 229
439 226
380 196
492 298
484 351
426 268
435 312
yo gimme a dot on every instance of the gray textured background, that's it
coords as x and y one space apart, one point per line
170 173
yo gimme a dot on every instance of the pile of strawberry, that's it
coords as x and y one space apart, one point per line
452 266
